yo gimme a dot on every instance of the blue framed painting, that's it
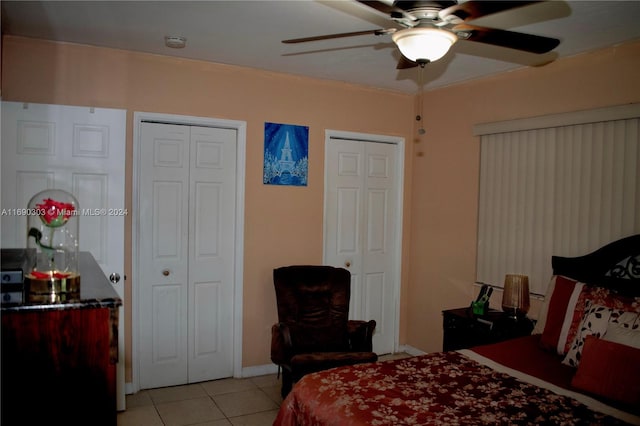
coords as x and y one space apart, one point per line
286 151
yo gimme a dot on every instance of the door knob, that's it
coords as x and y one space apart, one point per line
166 272
114 278
347 263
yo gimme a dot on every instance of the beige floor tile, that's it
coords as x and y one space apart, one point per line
139 399
274 392
189 411
252 401
217 387
176 393
264 418
245 402
266 381
140 416
221 422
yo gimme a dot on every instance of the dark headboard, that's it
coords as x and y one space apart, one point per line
615 266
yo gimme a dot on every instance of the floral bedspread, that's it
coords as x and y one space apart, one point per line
443 388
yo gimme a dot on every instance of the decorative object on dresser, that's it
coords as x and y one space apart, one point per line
463 329
53 234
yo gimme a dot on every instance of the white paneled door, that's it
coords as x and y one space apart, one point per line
362 226
186 253
80 150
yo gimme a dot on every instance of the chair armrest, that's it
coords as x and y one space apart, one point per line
361 335
281 345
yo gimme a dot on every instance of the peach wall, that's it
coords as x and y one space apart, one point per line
443 238
441 180
283 225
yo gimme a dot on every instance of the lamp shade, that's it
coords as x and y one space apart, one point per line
515 297
424 44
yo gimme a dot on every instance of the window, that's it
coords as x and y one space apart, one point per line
556 185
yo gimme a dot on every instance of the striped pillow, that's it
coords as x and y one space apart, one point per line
560 310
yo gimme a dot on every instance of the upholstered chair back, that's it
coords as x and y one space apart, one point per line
313 300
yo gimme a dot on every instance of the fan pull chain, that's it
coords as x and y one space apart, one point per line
419 117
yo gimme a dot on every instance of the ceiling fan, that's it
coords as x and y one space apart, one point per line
430 28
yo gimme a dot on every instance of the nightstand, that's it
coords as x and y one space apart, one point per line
463 329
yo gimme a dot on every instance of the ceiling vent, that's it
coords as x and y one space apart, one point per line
175 42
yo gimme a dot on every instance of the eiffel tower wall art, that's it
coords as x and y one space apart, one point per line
286 151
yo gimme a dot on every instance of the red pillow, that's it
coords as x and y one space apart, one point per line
558 307
610 370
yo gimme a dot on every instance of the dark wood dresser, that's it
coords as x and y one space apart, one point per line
59 357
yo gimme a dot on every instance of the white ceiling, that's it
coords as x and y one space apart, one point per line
249 33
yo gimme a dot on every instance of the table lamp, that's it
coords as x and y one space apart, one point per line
515 297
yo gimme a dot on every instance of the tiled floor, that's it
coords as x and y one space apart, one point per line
248 402
252 401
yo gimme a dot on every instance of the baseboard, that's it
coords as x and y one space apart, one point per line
259 370
410 350
256 370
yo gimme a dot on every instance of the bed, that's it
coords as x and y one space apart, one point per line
581 365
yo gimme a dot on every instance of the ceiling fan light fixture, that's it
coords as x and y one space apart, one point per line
424 44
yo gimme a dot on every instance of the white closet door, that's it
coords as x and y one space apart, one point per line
164 191
361 204
211 252
187 212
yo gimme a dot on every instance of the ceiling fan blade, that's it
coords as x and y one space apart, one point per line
405 63
470 10
340 35
520 41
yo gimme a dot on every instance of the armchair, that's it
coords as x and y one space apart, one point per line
313 332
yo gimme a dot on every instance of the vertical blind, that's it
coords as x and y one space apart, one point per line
560 190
